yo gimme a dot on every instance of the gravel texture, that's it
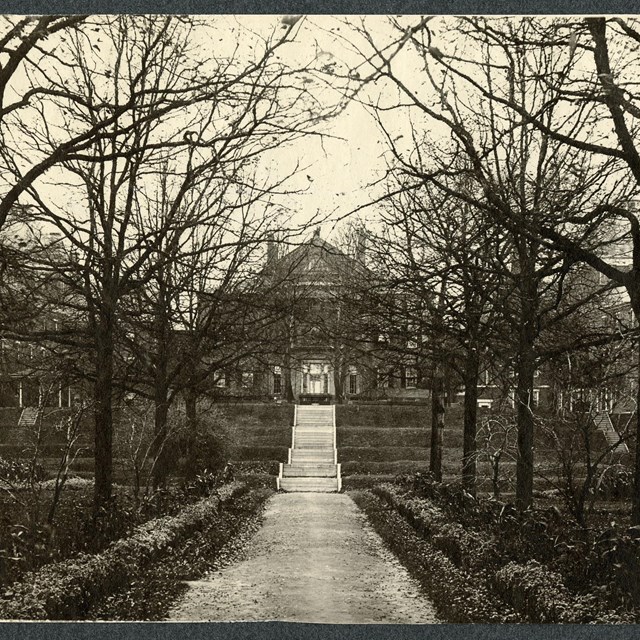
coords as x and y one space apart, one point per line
315 559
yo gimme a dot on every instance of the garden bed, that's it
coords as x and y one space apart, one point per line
458 596
537 565
156 589
68 589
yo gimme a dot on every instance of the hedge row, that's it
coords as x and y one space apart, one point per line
541 596
535 592
458 596
66 589
465 549
381 437
393 468
382 454
260 453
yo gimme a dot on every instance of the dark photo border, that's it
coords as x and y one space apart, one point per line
295 631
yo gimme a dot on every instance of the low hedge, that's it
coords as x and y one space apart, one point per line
381 437
66 590
465 549
541 596
382 454
377 468
537 593
261 453
252 431
245 414
458 596
282 439
364 481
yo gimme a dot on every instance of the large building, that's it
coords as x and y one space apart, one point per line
331 343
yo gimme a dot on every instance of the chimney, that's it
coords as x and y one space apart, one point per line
272 249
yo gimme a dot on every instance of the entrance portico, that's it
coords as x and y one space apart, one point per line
316 378
312 380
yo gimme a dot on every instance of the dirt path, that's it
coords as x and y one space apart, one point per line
315 559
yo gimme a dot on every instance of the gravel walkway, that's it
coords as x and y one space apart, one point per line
315 559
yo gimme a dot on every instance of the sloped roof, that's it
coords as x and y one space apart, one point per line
319 261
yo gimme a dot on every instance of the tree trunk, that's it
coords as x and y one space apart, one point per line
191 413
635 498
160 447
524 411
286 371
437 424
160 382
103 413
337 385
469 458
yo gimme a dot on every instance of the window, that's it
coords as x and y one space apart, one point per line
221 380
247 378
353 383
411 378
383 380
277 380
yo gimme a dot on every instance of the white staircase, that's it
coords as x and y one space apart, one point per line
28 417
603 422
313 458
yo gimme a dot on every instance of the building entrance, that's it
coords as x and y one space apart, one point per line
316 378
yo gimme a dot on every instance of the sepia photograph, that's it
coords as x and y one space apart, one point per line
322 319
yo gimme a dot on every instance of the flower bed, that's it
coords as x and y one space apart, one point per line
535 592
66 590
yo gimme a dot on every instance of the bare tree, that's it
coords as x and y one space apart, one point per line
522 179
588 112
186 130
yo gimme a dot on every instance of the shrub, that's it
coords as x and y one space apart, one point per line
65 590
17 472
459 596
464 548
616 557
541 596
534 591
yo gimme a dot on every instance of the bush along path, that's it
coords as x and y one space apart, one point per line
138 577
483 565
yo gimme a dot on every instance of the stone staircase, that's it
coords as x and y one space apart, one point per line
313 459
28 417
603 422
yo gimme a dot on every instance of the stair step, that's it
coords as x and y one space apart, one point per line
312 457
310 452
324 485
28 417
311 470
322 458
603 422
